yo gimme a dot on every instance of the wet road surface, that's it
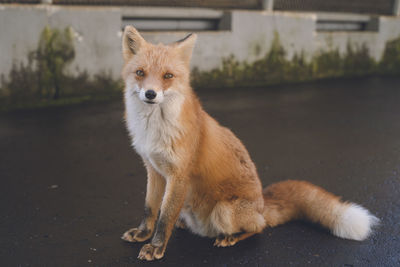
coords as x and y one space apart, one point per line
71 184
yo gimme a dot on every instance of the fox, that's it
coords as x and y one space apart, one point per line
199 174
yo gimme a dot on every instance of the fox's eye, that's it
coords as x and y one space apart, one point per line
140 73
168 76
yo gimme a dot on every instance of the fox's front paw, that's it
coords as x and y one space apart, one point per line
136 235
149 252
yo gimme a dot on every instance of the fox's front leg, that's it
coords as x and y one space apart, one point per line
155 191
171 206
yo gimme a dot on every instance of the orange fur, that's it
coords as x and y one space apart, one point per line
202 170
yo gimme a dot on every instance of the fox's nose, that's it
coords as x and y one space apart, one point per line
150 94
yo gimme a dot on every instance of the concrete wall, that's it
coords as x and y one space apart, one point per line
388 29
249 37
97 32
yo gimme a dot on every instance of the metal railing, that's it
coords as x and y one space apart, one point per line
375 7
20 1
236 4
352 6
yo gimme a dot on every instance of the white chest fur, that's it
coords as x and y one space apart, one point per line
154 127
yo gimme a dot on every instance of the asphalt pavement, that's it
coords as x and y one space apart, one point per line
71 184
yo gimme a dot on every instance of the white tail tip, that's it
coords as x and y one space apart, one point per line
354 222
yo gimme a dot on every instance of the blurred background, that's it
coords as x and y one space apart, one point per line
67 51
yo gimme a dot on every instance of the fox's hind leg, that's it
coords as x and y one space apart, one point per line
237 221
230 240
154 194
180 224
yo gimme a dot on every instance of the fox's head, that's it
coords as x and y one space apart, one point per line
156 72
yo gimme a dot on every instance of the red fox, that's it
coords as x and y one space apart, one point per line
199 174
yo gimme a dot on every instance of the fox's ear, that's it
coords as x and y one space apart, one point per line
186 47
132 41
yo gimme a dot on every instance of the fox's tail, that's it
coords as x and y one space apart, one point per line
291 200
